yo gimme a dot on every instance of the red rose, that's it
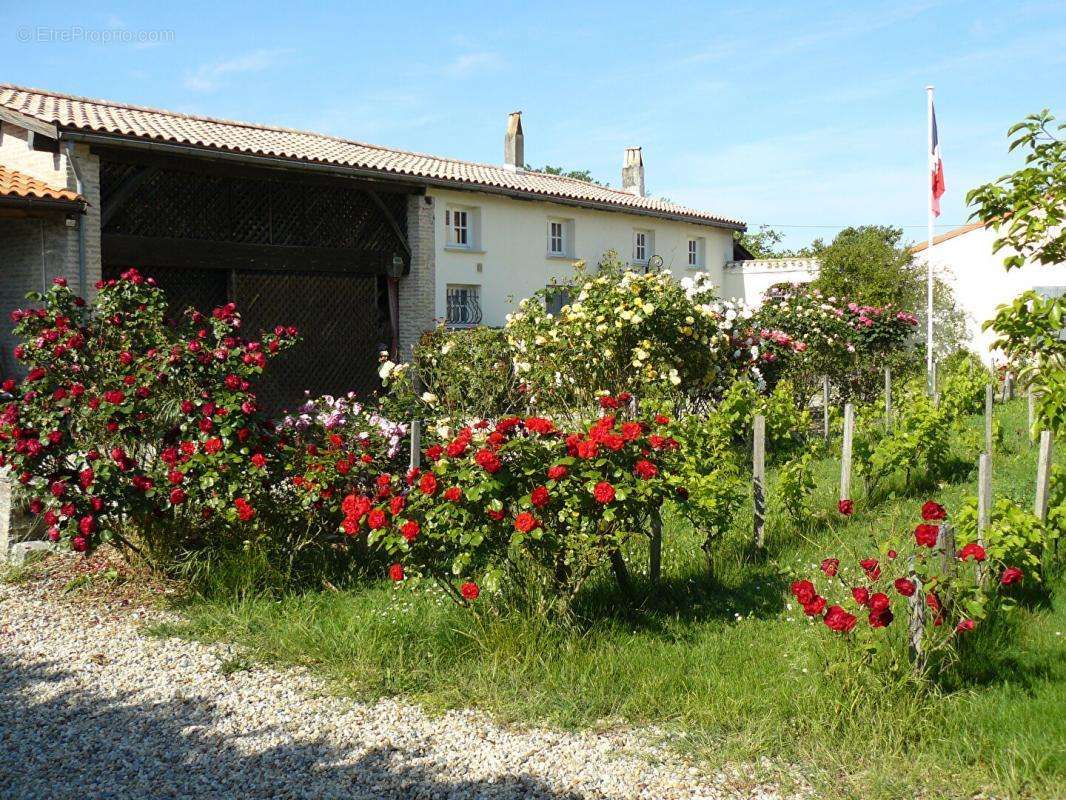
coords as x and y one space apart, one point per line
926 534
453 494
488 461
1011 576
212 446
965 626
803 591
495 513
434 452
539 425
79 544
632 431
905 586
932 512
469 591
557 473
846 507
879 602
839 620
814 607
603 492
177 497
376 519
410 530
608 402
830 565
871 568
259 460
881 618
972 550
645 469
662 419
526 522
539 497
861 595
457 447
587 449
86 525
427 484
396 572
244 511
396 505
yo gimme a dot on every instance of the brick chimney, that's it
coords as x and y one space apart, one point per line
514 149
633 172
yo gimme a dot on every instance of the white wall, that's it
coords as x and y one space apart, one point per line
513 249
980 281
749 280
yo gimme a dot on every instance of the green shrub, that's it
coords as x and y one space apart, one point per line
1014 535
962 380
788 420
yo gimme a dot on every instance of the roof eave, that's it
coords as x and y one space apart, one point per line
43 204
78 135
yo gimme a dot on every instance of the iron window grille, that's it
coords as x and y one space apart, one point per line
464 305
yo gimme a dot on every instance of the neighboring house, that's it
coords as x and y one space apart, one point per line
361 247
748 279
963 257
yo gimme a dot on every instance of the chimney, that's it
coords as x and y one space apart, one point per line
514 150
633 172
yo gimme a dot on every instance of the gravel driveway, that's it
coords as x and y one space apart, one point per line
90 708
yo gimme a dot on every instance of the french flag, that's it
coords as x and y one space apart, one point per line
936 170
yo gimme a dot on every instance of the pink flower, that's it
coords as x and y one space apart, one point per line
846 507
1011 576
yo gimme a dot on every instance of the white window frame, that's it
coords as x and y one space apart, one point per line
462 227
696 252
561 233
643 246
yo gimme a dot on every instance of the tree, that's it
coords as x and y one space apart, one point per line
762 243
1028 206
576 174
868 265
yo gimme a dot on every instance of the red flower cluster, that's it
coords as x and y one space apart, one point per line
846 507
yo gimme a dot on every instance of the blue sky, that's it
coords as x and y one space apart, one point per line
790 114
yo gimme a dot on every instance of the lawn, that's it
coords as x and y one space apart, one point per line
722 661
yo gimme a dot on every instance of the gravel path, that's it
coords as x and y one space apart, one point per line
90 708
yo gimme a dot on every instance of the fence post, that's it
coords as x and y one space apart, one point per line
916 621
888 397
845 460
935 383
984 506
989 400
1008 387
758 478
1032 416
416 443
825 407
945 543
1043 476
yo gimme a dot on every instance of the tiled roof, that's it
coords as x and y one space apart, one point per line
19 185
119 119
949 235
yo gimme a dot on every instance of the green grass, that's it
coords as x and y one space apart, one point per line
719 661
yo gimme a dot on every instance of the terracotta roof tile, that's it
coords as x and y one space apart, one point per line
100 116
19 185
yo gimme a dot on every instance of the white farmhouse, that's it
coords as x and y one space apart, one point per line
963 257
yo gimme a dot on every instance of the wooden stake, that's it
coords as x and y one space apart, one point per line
1008 387
888 397
945 544
989 400
1043 476
916 621
845 459
758 478
1032 416
984 506
6 487
935 383
825 407
655 547
416 443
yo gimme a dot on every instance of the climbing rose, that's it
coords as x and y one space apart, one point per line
453 494
603 492
803 591
839 620
526 522
972 550
427 484
469 590
645 469
434 452
410 530
846 507
932 512
904 586
925 535
830 565
376 519
1011 575
488 461
396 572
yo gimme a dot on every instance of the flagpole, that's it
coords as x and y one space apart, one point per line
929 246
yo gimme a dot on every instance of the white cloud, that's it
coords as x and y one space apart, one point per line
208 77
468 63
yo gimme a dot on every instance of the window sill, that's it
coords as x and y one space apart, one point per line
695 267
471 250
558 257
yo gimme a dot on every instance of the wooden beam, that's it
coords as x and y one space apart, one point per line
28 123
118 198
401 235
147 251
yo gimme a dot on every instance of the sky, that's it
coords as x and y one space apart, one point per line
808 117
